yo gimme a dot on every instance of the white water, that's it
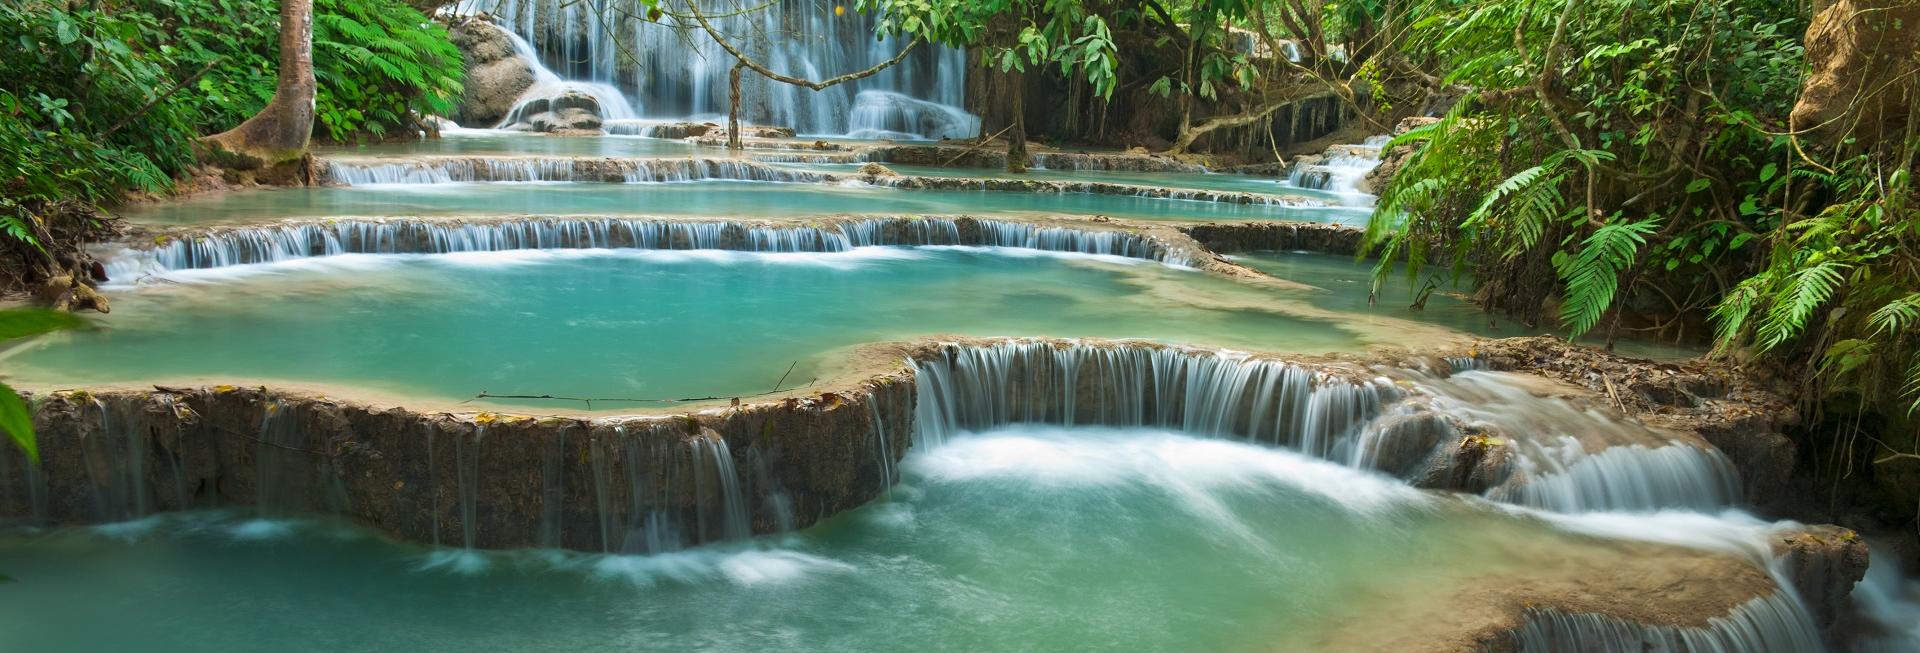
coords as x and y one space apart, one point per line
674 70
548 85
292 242
1340 170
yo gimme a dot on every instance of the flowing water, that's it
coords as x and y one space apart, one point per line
671 69
1027 538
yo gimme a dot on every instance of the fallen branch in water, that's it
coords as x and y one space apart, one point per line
630 400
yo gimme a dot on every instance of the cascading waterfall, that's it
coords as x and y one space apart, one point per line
285 242
1575 459
967 388
443 170
1341 168
610 103
672 69
1769 624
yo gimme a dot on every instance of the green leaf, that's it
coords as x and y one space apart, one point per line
17 421
24 322
1698 185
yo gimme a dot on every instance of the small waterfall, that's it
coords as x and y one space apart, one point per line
116 458
1341 168
1769 624
1573 458
1889 599
547 86
674 70
967 388
456 169
719 504
1630 477
277 469
602 486
466 465
285 242
886 114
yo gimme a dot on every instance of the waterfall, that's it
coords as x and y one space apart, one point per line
547 86
442 170
1769 624
1631 477
292 241
1341 168
116 458
466 472
672 69
967 388
885 114
1573 458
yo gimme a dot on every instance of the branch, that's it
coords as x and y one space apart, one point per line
764 71
1249 117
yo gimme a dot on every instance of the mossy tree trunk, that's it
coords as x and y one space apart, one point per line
280 132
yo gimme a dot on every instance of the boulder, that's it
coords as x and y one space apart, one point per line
496 73
1822 563
877 170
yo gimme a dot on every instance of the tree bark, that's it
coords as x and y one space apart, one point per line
1017 136
733 107
281 132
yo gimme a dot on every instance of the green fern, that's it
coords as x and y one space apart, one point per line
1591 274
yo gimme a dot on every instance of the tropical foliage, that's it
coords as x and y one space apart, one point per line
106 98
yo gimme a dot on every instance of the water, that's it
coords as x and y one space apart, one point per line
292 241
636 324
1015 539
671 68
1347 280
502 142
709 198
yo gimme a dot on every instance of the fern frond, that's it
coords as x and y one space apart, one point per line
1897 316
1592 274
1792 306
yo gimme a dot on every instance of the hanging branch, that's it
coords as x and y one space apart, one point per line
733 117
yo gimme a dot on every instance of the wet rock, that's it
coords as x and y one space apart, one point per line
1391 161
569 111
1823 563
876 170
63 293
1277 236
496 75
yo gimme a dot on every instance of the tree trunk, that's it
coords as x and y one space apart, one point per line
1017 133
280 132
733 107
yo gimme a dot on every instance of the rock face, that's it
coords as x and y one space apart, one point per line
1823 563
1277 236
1395 158
616 484
496 75
1865 59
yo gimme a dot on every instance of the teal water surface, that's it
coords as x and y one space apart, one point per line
635 324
